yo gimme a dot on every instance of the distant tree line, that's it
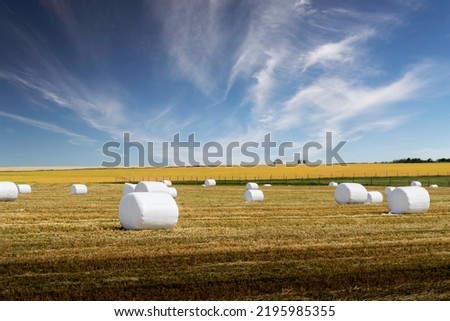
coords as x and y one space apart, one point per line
419 160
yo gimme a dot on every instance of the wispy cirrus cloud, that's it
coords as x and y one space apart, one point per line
196 38
309 67
342 52
31 63
74 138
333 101
97 110
227 70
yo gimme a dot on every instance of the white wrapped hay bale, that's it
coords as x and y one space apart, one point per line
78 189
416 183
151 187
409 199
172 192
251 185
347 193
388 190
374 197
210 182
434 186
267 185
253 195
24 188
333 184
148 211
8 191
128 188
167 182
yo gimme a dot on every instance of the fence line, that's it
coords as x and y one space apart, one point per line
375 180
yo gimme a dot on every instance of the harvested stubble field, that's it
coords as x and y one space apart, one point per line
296 245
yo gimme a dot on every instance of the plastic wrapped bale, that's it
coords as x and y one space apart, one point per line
172 192
253 195
267 185
409 199
167 182
78 189
251 185
348 193
24 188
151 187
416 183
434 186
148 211
388 190
210 182
128 188
8 191
374 197
333 184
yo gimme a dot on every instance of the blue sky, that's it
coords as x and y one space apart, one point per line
77 74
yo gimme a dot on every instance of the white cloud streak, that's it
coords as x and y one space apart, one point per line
74 137
342 52
308 70
98 111
301 67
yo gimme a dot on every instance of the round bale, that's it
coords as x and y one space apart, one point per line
416 183
409 199
210 182
8 191
434 186
128 188
251 185
333 184
374 197
151 187
347 193
253 195
148 211
388 190
78 189
172 192
24 188
167 182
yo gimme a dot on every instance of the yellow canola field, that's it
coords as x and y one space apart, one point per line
99 175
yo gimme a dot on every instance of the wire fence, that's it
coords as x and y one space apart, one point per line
442 180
